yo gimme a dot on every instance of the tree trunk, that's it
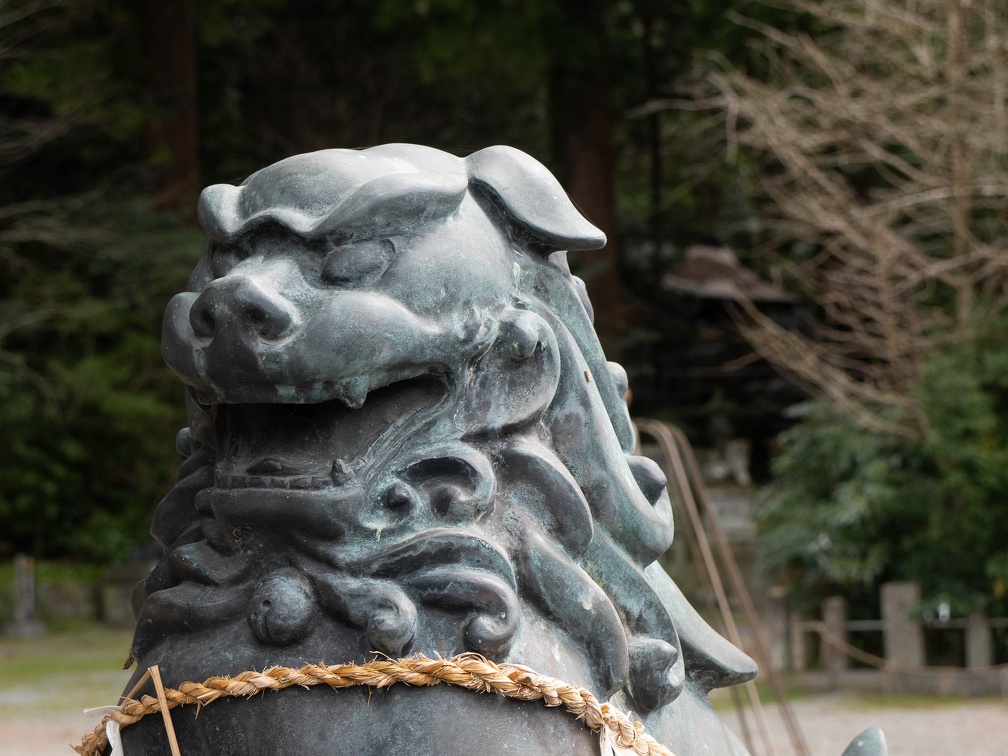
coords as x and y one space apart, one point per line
581 126
170 42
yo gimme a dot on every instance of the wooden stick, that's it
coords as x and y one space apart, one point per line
165 711
140 684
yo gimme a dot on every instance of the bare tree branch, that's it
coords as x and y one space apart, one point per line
880 144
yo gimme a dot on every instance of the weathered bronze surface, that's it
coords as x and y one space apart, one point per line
404 437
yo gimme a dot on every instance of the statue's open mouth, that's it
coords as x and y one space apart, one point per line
314 447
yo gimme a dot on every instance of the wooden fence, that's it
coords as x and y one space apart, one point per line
901 642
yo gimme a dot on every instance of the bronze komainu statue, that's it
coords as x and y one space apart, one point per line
404 438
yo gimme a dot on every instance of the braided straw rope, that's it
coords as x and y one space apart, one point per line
469 671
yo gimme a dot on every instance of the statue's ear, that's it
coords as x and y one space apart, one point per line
531 197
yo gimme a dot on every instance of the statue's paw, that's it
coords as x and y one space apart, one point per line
871 742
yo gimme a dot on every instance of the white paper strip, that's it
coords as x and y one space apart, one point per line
111 727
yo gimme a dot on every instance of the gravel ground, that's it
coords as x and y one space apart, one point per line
913 728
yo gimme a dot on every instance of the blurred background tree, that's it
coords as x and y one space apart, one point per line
876 134
86 265
850 150
113 114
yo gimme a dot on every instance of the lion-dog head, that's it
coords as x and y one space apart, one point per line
403 431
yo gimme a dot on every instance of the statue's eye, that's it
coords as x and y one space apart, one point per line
357 263
224 257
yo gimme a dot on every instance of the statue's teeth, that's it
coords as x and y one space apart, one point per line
302 483
341 472
353 391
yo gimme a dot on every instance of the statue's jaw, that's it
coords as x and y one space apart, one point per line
314 447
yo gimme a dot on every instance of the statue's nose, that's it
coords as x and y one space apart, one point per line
238 305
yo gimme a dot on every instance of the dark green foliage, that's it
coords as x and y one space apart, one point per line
837 490
279 78
86 406
85 270
966 396
850 508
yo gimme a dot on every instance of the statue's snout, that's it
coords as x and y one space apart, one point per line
241 309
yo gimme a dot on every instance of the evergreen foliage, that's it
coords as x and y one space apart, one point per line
850 508
85 270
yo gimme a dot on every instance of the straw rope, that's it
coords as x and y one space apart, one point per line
469 671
